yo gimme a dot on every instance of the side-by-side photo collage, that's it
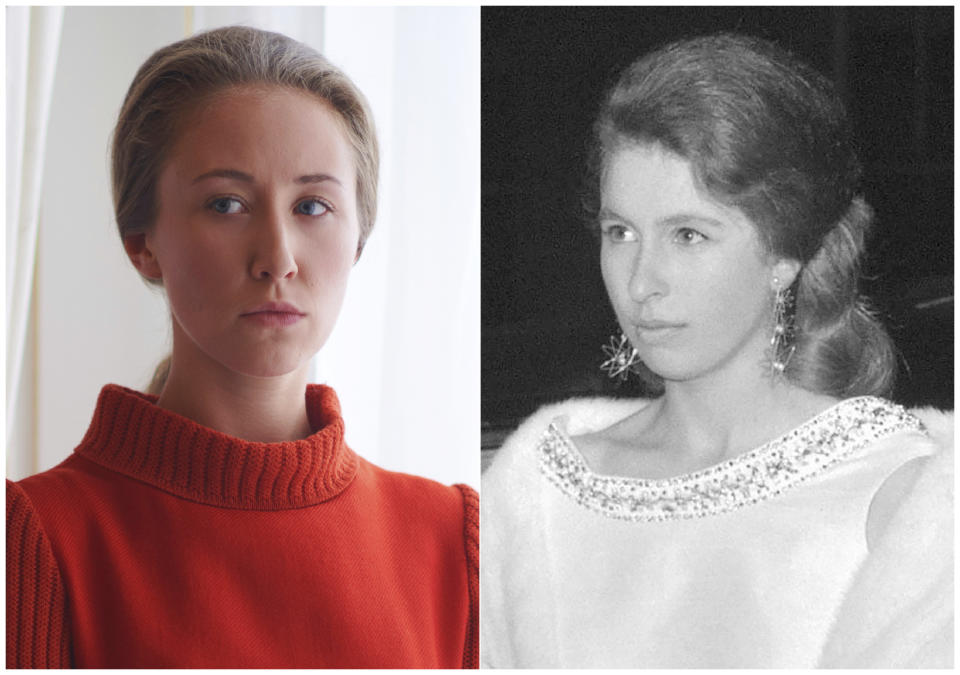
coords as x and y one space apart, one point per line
480 337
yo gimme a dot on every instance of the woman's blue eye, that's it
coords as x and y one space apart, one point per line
687 236
311 207
226 205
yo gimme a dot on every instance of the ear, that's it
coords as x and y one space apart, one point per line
784 273
140 254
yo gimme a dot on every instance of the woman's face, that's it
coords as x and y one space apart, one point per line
256 230
687 276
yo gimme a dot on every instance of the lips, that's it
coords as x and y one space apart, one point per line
275 308
653 331
274 314
655 325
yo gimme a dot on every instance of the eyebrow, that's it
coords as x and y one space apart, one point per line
684 218
247 178
316 178
676 219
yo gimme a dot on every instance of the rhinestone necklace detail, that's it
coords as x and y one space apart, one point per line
762 473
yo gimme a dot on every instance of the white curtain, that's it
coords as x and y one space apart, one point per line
32 42
404 357
301 23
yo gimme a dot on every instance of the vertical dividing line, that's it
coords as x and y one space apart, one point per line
33 316
188 21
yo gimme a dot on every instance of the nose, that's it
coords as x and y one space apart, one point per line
272 251
648 278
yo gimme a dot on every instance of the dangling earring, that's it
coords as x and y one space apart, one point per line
781 348
621 357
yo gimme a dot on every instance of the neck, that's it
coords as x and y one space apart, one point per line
733 410
261 409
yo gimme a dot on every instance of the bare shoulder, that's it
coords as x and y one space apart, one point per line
606 450
577 417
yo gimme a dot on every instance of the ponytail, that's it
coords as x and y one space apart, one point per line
842 348
160 376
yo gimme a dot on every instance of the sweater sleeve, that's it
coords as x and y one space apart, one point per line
37 630
471 543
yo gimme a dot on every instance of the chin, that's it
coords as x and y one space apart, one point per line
675 369
277 366
268 373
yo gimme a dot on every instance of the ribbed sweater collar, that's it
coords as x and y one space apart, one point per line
133 436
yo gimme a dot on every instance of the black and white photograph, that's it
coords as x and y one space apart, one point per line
717 322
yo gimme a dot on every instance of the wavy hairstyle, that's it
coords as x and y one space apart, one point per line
768 135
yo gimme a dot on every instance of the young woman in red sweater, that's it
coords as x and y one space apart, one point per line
224 522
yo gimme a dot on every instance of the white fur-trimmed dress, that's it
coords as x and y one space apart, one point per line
761 561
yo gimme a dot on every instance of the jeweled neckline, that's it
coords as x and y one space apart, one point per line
756 475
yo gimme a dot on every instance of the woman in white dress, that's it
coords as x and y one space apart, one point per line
770 508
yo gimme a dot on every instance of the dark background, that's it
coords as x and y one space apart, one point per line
544 71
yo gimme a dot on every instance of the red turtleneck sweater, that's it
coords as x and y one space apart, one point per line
162 543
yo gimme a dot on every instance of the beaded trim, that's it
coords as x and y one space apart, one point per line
759 474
